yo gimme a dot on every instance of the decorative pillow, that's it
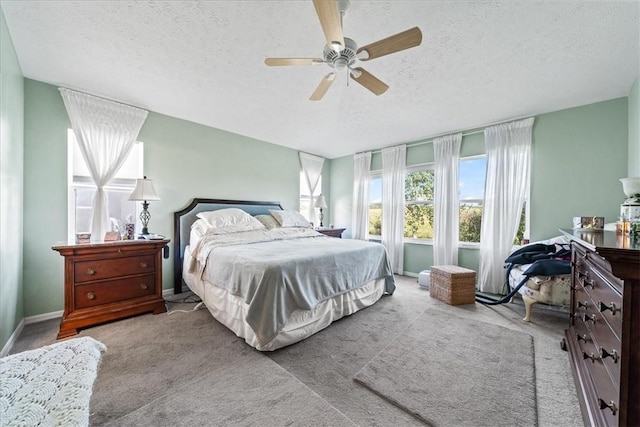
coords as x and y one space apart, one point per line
230 220
288 218
268 221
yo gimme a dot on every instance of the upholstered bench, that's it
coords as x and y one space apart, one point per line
453 284
51 385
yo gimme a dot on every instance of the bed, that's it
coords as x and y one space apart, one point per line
276 283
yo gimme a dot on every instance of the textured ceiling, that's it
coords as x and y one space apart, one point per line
203 61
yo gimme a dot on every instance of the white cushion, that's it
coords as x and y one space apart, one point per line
268 221
230 220
288 218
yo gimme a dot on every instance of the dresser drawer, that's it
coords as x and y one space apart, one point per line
606 344
99 293
605 298
85 271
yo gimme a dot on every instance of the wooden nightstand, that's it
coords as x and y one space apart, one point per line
109 281
331 232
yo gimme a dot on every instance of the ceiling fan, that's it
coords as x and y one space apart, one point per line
342 53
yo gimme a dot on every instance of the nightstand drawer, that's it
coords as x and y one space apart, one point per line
109 291
85 271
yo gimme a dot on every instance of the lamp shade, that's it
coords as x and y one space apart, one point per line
320 202
144 191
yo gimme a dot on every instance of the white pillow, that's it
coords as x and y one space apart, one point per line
230 220
268 221
288 218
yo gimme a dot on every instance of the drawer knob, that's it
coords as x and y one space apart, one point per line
584 304
582 275
589 318
91 271
583 337
591 356
143 286
611 405
590 283
143 265
91 296
604 354
604 307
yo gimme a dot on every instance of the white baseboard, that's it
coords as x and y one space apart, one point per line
410 274
12 339
42 317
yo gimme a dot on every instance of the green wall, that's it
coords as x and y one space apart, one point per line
184 159
11 185
634 130
578 156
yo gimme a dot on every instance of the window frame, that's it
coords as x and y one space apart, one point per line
411 169
303 196
372 175
86 182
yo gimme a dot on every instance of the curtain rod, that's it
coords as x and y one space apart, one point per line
430 139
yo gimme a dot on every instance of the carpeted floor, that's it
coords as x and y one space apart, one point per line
447 370
187 369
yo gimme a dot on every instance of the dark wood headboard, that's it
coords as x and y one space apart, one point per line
187 216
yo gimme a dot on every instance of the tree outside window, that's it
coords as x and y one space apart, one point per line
418 205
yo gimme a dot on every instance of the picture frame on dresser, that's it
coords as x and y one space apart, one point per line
604 326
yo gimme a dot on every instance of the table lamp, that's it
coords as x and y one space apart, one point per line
322 204
144 192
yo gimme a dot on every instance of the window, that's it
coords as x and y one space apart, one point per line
306 199
81 190
375 205
471 178
418 203
419 193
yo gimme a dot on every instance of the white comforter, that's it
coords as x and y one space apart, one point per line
279 271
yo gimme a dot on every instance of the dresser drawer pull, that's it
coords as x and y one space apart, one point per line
91 296
589 318
590 283
603 307
611 405
583 337
604 354
91 271
591 356
143 286
143 265
584 304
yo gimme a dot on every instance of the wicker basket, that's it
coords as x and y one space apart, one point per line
453 285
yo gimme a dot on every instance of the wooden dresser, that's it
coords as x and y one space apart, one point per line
331 232
109 281
603 339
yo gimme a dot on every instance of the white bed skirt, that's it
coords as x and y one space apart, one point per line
231 310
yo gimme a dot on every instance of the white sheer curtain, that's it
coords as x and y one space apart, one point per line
393 170
105 131
361 177
445 201
312 169
508 163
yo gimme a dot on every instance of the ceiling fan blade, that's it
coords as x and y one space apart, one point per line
401 41
329 17
323 87
274 62
369 81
